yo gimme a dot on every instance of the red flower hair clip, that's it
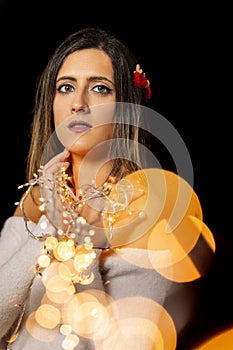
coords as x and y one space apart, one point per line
141 81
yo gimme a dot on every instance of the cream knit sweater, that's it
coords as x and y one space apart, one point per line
141 297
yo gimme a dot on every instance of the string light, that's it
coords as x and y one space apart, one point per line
71 243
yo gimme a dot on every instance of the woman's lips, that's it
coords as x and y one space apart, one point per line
79 126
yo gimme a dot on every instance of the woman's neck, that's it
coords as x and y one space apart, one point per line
93 170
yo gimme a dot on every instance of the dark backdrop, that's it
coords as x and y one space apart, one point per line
185 51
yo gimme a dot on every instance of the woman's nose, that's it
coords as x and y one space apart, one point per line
79 104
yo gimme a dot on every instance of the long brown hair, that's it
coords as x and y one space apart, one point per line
129 98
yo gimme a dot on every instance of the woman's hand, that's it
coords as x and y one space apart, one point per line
55 164
52 186
32 202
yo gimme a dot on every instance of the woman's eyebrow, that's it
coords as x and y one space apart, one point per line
100 77
92 78
66 77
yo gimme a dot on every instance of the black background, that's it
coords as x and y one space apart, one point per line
185 50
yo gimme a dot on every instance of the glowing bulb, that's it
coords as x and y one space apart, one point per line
63 251
44 260
51 242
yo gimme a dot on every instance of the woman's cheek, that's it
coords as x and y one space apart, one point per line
59 111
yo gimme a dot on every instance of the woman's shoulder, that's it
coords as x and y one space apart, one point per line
164 217
165 184
154 196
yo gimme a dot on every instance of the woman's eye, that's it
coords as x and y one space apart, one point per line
101 89
65 88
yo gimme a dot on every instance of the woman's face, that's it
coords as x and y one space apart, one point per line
84 102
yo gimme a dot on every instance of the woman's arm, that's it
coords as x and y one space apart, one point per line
18 252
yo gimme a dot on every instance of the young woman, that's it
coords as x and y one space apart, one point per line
104 246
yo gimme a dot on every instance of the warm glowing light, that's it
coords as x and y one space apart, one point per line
51 242
44 260
222 340
134 333
82 261
65 329
70 243
88 313
63 251
58 283
90 319
88 245
154 210
47 316
70 342
13 338
149 318
37 331
42 207
43 225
